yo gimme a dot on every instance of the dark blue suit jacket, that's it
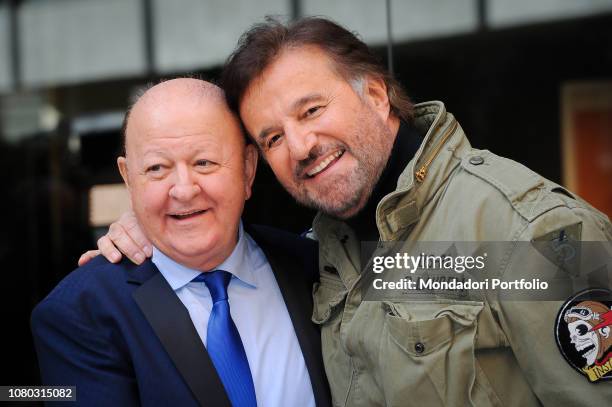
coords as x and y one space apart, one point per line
120 334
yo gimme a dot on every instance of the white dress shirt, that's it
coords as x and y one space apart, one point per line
261 317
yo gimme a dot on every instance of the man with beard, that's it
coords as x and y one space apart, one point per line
342 137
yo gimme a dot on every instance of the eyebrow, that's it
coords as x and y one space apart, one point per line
304 100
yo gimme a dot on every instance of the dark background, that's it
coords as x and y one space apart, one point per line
503 87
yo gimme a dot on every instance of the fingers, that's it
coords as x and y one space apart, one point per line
108 249
130 224
123 237
88 255
117 240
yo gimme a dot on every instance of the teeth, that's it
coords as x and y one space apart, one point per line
586 350
323 164
182 215
584 345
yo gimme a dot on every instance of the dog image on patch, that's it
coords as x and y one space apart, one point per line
590 332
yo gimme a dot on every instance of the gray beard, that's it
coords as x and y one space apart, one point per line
353 191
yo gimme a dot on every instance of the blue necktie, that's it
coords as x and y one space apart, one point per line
224 345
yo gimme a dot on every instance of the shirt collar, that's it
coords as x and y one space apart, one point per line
236 264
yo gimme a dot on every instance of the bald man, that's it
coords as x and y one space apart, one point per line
221 313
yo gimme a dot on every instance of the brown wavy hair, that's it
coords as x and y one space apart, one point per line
259 46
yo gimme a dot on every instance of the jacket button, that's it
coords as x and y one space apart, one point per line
419 347
476 160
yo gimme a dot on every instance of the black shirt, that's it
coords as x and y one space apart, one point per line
405 146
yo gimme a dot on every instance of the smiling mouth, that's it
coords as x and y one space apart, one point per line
186 215
323 165
586 350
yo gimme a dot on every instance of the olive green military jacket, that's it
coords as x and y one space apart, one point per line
449 352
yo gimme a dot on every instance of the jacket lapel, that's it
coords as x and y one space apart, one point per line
171 322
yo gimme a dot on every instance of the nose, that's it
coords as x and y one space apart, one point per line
300 142
185 188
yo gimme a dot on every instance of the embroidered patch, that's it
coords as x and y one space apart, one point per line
583 331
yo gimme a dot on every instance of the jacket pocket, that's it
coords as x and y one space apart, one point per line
329 295
428 350
419 336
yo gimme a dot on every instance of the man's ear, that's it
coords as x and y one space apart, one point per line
250 167
376 94
122 164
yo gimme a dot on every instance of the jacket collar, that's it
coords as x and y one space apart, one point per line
138 274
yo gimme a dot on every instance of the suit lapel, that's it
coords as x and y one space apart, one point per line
171 322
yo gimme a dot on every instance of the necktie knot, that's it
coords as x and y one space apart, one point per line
217 282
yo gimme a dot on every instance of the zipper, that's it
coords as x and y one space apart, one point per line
422 172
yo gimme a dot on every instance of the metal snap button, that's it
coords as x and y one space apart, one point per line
476 160
419 347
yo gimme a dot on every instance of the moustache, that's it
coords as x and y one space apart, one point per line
313 155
